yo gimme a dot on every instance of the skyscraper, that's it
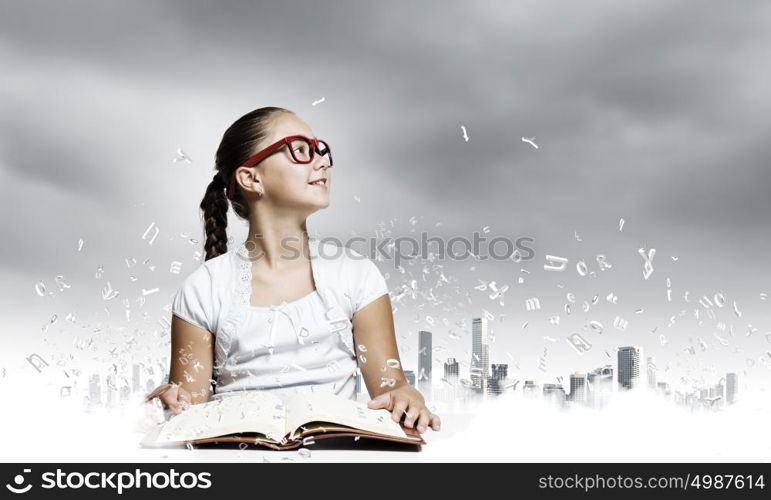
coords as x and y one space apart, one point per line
629 366
579 390
498 379
136 379
125 393
720 392
451 387
480 353
530 389
555 393
451 371
424 363
600 384
651 372
110 390
731 387
94 391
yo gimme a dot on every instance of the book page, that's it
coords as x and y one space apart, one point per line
311 407
250 411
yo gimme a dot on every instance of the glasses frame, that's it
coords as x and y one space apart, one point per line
273 148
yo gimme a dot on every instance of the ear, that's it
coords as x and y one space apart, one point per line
249 180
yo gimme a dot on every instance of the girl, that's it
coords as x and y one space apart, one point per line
288 313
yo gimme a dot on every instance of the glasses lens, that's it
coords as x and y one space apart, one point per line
324 148
301 150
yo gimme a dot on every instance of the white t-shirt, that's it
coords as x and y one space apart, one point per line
299 346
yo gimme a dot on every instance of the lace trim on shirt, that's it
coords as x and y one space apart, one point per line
243 292
241 297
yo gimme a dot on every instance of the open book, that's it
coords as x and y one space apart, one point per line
262 418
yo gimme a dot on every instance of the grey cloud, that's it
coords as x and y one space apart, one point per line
641 109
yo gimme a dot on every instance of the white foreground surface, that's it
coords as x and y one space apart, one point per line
40 426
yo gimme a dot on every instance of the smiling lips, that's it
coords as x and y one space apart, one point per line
319 182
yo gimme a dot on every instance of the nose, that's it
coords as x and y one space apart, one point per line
321 164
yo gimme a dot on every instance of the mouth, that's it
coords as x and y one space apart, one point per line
319 182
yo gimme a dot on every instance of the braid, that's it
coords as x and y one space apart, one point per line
241 140
215 217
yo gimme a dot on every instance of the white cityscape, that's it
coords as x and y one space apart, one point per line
589 389
485 381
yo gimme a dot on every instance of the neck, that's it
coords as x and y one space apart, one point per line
277 241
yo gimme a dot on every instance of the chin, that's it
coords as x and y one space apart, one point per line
317 205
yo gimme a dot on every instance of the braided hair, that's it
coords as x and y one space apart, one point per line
239 142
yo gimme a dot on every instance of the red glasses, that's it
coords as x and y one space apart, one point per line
301 148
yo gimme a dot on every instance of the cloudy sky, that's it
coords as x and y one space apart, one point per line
654 112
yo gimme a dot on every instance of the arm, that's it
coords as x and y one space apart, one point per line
192 352
373 327
192 321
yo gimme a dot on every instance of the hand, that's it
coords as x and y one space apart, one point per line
172 396
409 398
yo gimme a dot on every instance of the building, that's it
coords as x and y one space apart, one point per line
530 389
720 392
451 371
579 388
480 354
136 378
731 388
497 382
629 367
110 398
125 394
424 363
651 372
555 394
94 391
599 383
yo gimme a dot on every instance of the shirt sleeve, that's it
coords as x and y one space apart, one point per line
367 282
194 301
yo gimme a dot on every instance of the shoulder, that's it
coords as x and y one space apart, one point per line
202 293
210 272
354 276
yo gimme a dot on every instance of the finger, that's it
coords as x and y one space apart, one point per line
399 408
167 401
168 394
382 401
171 405
425 418
158 391
169 398
178 406
436 422
413 412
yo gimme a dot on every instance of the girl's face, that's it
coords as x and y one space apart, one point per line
286 184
